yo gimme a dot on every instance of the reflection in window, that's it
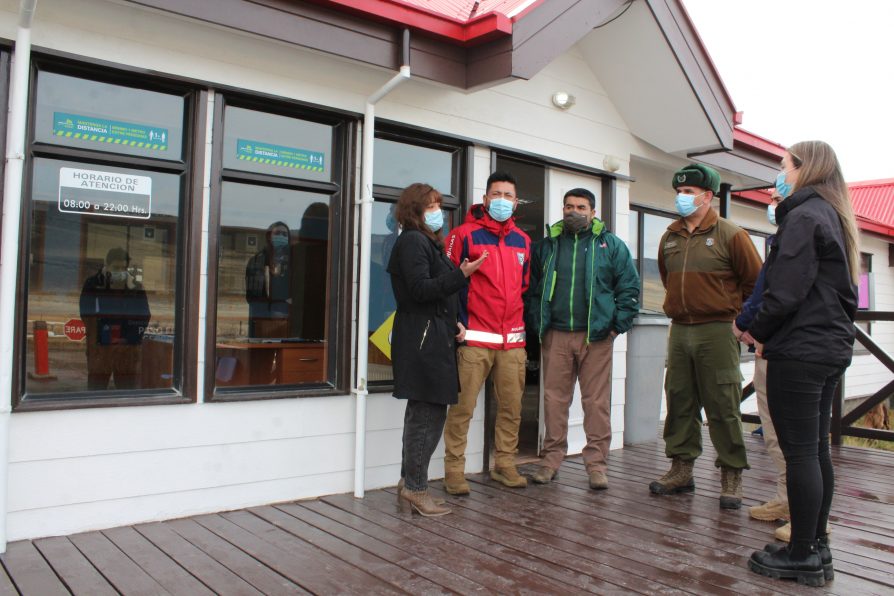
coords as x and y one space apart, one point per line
104 117
654 227
272 305
278 145
101 277
400 164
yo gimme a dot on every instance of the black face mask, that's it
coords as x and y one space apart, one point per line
575 222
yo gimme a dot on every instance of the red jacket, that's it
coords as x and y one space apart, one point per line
491 305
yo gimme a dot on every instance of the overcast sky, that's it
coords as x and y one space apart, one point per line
809 69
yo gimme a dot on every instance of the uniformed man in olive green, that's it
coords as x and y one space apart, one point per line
708 266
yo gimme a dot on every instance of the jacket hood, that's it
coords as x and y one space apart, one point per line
479 216
555 230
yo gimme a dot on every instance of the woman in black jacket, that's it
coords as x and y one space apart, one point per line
423 340
806 326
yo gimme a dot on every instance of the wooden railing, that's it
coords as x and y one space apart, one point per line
843 425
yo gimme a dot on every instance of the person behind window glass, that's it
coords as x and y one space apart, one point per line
267 285
423 345
115 311
805 330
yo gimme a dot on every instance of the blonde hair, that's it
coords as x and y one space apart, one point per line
818 168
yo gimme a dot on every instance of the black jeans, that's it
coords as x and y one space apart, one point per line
423 427
799 397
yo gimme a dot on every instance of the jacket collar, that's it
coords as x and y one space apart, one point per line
555 230
801 196
479 216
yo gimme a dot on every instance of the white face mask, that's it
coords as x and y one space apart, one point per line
771 213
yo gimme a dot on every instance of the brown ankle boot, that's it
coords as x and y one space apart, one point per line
422 503
677 480
455 483
400 487
508 476
731 488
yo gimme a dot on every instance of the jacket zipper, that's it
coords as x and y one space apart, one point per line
682 277
573 270
548 280
592 283
424 333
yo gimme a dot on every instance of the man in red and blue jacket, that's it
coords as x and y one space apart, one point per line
492 311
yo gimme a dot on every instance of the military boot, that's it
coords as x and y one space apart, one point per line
455 483
677 480
731 488
508 476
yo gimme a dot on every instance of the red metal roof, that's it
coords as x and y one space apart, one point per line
464 21
874 200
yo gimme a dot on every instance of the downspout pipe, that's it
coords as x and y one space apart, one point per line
9 252
360 390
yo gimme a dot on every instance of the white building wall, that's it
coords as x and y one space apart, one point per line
76 470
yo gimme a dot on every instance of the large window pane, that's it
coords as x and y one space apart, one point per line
760 244
279 145
273 280
400 165
102 278
654 227
92 115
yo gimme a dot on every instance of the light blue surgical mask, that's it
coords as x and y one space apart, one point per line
500 209
783 187
771 213
279 241
686 204
434 220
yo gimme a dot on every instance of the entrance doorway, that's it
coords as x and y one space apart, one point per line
529 216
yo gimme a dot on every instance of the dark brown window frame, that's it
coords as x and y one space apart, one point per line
187 166
341 222
4 106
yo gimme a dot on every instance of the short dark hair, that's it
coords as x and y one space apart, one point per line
499 176
117 254
583 193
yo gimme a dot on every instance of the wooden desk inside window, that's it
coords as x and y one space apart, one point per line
274 363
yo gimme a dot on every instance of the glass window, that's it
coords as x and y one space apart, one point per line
760 243
104 117
633 243
277 145
272 303
401 164
654 227
102 278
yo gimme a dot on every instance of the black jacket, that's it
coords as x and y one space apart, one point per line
809 305
423 348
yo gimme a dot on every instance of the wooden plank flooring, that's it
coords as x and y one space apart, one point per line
562 538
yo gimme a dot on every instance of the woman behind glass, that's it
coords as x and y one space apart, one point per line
423 341
806 326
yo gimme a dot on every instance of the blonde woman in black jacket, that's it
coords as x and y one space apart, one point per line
423 342
806 328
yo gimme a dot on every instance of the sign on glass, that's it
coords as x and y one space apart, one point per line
105 193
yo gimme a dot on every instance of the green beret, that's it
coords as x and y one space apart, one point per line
696 174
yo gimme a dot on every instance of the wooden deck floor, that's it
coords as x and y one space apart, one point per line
557 539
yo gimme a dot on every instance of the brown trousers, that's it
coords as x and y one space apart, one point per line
475 365
770 440
567 357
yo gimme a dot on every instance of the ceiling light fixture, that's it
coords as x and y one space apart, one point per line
563 100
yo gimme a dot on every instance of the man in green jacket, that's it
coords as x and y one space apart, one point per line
584 292
709 267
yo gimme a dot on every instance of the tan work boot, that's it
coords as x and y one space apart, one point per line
677 480
543 475
598 480
400 487
455 483
731 488
784 533
422 503
770 511
509 476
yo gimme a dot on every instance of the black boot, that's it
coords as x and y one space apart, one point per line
824 553
781 565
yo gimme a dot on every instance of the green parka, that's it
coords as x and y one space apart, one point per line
610 279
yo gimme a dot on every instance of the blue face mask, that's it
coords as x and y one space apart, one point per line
434 220
771 213
783 187
390 222
279 241
686 204
500 209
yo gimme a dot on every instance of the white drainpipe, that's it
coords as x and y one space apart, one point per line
9 253
360 390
